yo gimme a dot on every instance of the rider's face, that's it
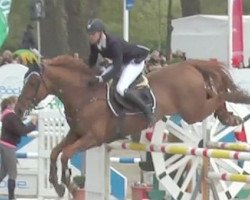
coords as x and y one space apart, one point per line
94 37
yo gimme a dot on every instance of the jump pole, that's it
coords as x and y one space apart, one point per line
239 146
186 150
183 150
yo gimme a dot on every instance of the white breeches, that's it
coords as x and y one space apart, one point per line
130 72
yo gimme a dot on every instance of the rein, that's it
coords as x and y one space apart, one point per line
33 100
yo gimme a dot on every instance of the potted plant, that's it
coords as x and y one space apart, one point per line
79 192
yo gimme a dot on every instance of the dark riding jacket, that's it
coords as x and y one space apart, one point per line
120 52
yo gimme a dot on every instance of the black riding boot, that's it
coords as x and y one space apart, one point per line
132 96
11 188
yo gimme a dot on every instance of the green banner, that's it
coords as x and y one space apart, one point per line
4 13
3 28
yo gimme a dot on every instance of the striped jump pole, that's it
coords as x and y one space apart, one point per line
183 150
229 177
125 160
27 155
239 146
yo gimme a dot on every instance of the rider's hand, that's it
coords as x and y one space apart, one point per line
95 80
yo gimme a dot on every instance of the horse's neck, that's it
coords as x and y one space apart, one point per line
76 99
71 87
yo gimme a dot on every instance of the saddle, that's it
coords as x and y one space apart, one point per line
121 106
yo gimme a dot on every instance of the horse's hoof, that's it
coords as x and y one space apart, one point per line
60 190
239 121
234 121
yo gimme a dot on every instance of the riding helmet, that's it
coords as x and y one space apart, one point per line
95 25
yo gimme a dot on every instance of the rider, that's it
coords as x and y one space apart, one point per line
128 63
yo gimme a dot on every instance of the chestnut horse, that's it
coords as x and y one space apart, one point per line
194 89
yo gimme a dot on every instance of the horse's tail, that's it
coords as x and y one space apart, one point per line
222 80
233 93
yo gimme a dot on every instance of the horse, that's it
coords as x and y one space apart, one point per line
194 89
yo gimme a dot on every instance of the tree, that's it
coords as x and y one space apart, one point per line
75 26
169 29
62 31
54 32
190 7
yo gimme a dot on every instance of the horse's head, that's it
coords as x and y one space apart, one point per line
34 90
60 76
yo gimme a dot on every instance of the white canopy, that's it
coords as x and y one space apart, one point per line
206 37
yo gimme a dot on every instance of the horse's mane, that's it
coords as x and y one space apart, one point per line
67 61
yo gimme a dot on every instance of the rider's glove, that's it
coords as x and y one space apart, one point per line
95 80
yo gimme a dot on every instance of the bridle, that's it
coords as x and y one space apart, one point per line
38 72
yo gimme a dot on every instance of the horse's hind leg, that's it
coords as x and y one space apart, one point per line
204 108
227 118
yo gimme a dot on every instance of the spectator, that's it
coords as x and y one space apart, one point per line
12 130
29 58
7 57
76 55
155 62
1 60
162 58
178 56
28 41
18 59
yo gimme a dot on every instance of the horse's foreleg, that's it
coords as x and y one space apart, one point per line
60 189
68 141
83 143
67 153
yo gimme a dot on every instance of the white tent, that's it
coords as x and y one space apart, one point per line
206 37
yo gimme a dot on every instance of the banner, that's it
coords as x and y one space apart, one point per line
4 13
11 81
236 31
